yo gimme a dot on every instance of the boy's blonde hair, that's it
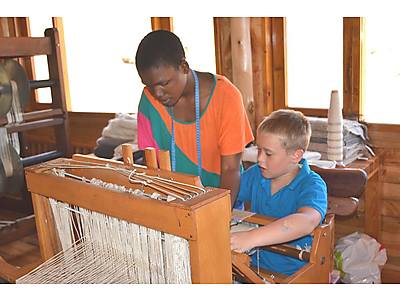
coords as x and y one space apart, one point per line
292 126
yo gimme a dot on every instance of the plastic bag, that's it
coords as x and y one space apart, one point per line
359 258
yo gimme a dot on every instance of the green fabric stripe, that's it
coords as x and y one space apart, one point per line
185 165
163 139
160 131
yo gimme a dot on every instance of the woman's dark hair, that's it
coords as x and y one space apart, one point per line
157 48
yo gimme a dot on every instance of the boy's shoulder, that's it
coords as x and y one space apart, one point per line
307 179
315 177
312 181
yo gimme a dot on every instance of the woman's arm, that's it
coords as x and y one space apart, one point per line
230 174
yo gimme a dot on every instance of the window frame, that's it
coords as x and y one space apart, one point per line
352 63
156 23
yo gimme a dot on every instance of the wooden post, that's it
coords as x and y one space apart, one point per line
58 91
241 64
164 160
211 247
261 49
151 157
127 154
164 23
223 51
373 202
47 235
279 63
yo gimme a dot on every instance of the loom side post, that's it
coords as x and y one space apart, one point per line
210 254
46 230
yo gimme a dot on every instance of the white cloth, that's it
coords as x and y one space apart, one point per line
123 126
250 154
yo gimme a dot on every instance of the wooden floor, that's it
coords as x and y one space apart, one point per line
18 246
21 252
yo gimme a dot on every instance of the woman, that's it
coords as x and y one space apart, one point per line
198 116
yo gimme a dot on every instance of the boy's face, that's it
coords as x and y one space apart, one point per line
274 160
165 82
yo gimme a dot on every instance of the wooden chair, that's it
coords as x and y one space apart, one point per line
345 187
56 115
319 259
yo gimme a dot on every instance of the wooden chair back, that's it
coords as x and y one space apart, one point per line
345 187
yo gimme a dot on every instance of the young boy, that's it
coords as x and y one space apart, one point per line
281 185
198 116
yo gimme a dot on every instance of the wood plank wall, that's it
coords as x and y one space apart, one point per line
85 129
261 52
388 137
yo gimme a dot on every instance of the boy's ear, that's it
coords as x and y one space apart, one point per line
298 155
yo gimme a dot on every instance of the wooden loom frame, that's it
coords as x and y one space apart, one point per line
203 221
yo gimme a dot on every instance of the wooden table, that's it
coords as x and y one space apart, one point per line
373 194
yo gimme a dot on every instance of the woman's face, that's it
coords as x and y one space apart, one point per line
165 82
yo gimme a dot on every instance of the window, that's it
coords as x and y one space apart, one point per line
314 60
197 37
382 70
99 79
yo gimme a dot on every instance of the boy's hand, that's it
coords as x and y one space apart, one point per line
241 241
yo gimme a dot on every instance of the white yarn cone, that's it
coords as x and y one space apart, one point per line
335 129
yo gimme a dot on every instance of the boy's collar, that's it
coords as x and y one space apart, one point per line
304 171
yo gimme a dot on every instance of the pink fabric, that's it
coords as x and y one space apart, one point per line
145 137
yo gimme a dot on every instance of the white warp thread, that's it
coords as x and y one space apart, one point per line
110 250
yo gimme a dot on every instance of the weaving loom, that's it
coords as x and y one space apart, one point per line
118 223
105 222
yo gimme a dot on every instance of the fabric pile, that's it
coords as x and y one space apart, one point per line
355 139
122 129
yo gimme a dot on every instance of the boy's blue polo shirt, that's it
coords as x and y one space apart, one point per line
306 189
